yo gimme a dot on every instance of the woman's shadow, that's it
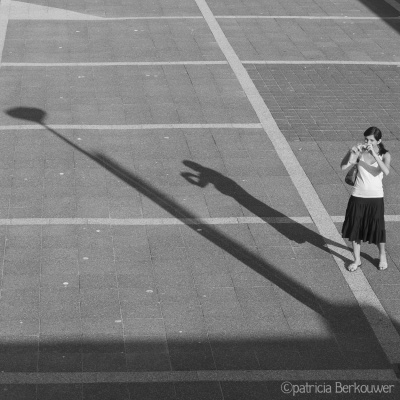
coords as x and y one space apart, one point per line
292 230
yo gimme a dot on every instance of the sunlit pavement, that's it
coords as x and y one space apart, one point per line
171 199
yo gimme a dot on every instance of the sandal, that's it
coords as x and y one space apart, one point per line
353 267
382 265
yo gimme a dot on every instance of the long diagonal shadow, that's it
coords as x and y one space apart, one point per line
293 231
337 316
384 10
212 234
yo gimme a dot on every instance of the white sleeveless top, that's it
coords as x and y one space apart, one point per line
366 184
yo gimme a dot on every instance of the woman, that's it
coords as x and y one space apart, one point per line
364 220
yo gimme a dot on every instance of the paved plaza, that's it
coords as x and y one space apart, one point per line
171 199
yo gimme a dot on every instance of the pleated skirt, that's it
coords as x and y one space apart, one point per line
364 220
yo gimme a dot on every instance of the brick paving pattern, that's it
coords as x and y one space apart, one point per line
128 95
307 40
185 298
330 102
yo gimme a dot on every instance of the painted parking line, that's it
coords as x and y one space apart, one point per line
110 64
318 17
383 328
172 221
394 4
131 127
50 13
316 62
4 13
64 15
167 63
153 221
387 375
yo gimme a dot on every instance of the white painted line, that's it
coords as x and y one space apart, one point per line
153 17
70 16
111 64
388 218
388 338
322 17
163 63
173 221
82 17
131 127
23 10
313 62
47 378
154 221
394 4
4 14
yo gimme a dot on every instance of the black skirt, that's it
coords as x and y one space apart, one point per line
364 220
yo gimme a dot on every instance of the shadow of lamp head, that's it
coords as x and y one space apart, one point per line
28 114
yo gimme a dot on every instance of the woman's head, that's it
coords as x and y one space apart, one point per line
373 136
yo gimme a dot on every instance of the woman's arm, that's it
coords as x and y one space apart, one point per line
350 158
383 165
375 171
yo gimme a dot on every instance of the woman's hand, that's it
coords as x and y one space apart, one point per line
356 149
353 155
371 150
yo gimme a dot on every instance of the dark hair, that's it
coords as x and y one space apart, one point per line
376 132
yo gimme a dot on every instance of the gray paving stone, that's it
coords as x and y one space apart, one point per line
128 42
198 390
131 298
99 325
61 391
61 325
344 108
148 361
185 312
145 326
12 281
19 362
152 391
93 111
105 362
23 325
59 362
105 391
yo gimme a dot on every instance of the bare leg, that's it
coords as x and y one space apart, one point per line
357 257
357 252
382 256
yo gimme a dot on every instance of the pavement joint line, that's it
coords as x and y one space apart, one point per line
330 17
307 192
365 297
70 17
101 19
328 62
394 4
153 221
161 63
131 127
4 14
107 64
384 375
163 17
173 221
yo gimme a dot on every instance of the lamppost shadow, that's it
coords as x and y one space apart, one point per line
384 10
344 321
290 229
